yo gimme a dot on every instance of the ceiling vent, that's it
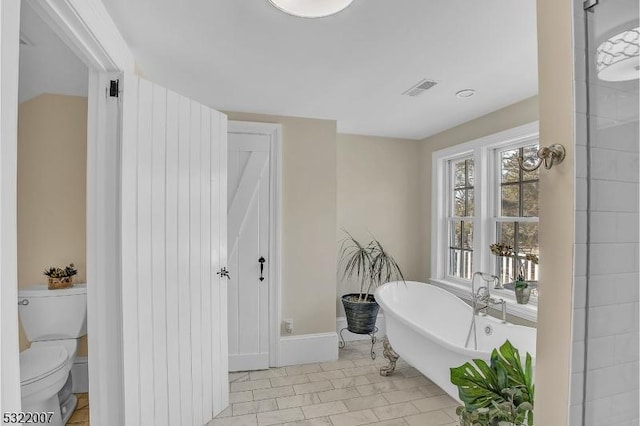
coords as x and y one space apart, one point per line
420 88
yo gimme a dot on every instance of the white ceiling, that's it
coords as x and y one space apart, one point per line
245 55
47 65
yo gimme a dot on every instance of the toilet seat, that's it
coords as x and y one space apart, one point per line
71 345
37 363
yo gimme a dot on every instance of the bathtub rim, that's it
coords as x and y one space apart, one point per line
471 353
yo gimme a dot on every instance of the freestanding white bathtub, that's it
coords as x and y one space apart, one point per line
428 327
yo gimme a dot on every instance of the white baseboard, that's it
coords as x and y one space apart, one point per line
80 375
308 348
341 322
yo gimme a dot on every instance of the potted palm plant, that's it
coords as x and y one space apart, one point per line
371 265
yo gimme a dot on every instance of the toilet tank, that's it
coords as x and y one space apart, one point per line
53 314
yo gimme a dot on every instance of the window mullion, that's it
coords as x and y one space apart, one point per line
480 200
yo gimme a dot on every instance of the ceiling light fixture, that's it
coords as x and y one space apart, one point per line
618 58
466 93
311 8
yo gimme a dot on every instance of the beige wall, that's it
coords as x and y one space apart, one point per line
52 140
556 238
308 220
379 194
522 112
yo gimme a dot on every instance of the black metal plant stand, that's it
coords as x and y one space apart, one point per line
372 334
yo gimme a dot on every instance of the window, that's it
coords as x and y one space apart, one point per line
480 197
461 218
517 213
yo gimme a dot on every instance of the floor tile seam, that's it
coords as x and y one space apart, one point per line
324 415
326 390
350 412
307 376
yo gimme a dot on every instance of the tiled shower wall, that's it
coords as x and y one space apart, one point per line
605 390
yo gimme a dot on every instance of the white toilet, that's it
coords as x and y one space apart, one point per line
53 320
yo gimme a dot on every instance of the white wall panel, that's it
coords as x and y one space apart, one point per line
206 263
195 260
174 207
143 238
158 254
219 233
172 278
129 252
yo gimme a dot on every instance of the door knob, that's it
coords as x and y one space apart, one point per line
261 260
223 273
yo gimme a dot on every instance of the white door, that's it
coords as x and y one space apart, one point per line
173 244
248 245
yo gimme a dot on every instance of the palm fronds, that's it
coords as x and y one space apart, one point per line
370 264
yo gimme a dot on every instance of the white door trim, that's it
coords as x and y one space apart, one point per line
9 360
274 132
86 27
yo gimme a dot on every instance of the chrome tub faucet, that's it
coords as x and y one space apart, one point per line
481 297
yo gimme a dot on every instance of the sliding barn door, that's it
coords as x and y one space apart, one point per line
174 156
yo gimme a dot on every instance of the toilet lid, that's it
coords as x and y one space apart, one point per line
39 362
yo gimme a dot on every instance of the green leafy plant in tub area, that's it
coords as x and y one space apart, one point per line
497 394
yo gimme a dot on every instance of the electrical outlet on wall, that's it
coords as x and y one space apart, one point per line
287 324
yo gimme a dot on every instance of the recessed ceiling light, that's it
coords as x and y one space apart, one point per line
311 8
466 93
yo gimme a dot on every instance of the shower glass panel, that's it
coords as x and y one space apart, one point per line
605 386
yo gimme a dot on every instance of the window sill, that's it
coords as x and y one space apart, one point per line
527 312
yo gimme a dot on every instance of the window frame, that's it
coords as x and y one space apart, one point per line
484 152
450 217
496 197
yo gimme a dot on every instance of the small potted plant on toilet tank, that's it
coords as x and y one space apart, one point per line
370 265
60 278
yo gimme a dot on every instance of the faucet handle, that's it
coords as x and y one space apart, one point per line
483 294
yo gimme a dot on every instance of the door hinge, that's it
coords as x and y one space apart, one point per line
114 88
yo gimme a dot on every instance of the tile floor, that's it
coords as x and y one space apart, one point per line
80 416
347 392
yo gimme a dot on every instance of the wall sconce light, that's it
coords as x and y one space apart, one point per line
553 154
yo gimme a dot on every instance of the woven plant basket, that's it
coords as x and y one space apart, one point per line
60 283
